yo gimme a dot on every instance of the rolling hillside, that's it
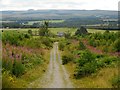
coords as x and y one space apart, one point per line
56 14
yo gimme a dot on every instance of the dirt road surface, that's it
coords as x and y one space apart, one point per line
56 75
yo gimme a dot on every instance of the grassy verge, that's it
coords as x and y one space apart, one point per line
98 72
31 75
24 60
102 79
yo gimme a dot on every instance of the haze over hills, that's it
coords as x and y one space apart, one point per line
57 14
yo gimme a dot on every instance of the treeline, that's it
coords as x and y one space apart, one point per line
72 22
18 25
76 22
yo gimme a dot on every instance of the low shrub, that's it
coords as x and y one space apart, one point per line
17 59
14 37
108 41
100 64
89 63
107 60
81 46
117 45
36 59
26 35
32 43
46 41
18 68
30 32
67 57
61 46
91 42
116 81
105 48
8 65
86 64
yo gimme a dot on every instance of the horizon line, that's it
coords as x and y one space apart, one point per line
60 9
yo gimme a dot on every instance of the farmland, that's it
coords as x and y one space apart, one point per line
55 30
50 21
66 18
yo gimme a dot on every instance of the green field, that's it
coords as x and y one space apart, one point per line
73 30
97 30
41 21
55 30
51 21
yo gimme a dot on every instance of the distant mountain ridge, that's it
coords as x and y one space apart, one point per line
57 14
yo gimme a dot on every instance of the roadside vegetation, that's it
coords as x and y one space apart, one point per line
88 54
107 41
88 57
23 54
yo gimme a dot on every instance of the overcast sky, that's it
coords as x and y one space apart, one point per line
59 4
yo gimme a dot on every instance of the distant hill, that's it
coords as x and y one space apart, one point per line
56 14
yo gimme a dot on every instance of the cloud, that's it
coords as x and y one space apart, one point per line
59 4
5 2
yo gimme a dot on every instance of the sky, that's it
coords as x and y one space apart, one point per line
59 4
